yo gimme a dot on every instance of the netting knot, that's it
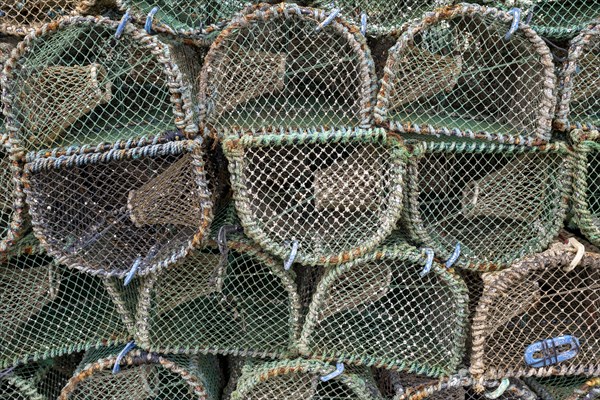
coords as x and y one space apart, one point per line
121 27
514 26
339 369
149 18
454 256
128 347
504 384
429 262
288 263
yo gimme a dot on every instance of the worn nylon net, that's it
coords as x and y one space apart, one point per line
332 194
539 317
144 376
133 206
500 202
586 188
300 379
565 387
453 73
75 84
283 67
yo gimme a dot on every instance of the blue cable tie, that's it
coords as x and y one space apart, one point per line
128 347
516 13
428 263
121 27
133 270
288 264
455 255
339 369
363 23
334 13
149 18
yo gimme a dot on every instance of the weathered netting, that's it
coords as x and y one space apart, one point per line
335 194
500 202
284 66
379 310
241 303
383 17
300 379
579 104
14 220
453 73
144 376
565 387
539 317
110 209
73 83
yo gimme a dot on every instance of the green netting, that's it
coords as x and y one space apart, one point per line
333 194
136 205
586 187
383 16
75 84
379 310
579 104
284 67
144 376
500 202
539 317
565 387
453 73
300 379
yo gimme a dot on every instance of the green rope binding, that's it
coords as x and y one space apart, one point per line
586 204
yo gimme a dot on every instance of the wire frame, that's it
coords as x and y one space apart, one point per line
300 379
526 310
454 73
586 186
579 107
289 67
113 209
73 83
500 202
144 375
241 302
379 311
565 387
336 194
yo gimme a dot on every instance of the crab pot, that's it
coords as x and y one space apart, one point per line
565 387
300 379
144 376
379 311
336 194
453 73
73 84
240 303
579 107
128 207
287 66
539 317
500 202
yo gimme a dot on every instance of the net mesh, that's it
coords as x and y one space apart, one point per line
500 202
565 387
144 376
129 206
453 73
336 194
74 84
539 317
276 67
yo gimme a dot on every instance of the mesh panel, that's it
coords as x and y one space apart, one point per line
500 202
565 387
272 68
74 84
299 379
337 194
245 304
378 310
145 376
579 105
454 74
105 212
586 192
526 310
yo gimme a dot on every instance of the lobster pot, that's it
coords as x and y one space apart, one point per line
500 202
385 309
290 67
453 73
75 84
565 387
144 376
300 379
332 194
123 208
539 317
579 106
240 302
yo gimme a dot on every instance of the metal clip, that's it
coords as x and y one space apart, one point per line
334 13
339 369
128 347
121 27
549 350
516 13
454 256
149 18
363 23
428 264
504 384
288 264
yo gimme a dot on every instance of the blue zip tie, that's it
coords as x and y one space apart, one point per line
428 263
339 369
334 13
530 14
128 347
363 23
504 384
454 256
288 264
121 27
6 372
149 18
516 13
133 270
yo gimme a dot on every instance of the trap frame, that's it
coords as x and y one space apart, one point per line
14 220
454 73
